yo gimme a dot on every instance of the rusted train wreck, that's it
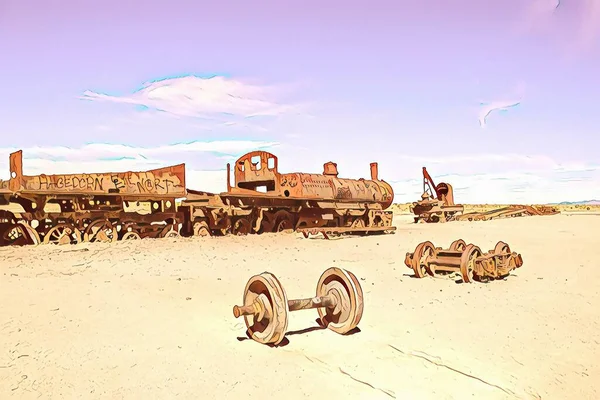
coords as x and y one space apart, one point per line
437 205
135 205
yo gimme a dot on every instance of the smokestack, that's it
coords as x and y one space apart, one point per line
228 177
374 171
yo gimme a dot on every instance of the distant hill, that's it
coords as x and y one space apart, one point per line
583 203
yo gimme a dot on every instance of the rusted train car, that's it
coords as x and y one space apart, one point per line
89 207
136 205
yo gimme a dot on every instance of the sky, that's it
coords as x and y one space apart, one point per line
497 97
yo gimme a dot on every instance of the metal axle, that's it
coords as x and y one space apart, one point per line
293 305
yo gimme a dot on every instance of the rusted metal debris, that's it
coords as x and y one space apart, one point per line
437 202
338 300
514 210
467 260
332 232
106 207
437 205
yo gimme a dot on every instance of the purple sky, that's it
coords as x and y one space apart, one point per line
398 82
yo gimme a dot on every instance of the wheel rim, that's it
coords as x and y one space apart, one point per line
100 231
467 262
421 253
201 229
63 234
284 225
131 236
241 227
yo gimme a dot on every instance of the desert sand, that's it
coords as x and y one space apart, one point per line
152 319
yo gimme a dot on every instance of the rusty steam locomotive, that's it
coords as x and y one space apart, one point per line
135 205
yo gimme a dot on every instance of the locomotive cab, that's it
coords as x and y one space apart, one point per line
256 170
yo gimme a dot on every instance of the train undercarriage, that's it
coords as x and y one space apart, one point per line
72 220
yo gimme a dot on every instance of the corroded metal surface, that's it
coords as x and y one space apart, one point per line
256 174
437 202
511 211
339 301
328 232
168 181
437 205
465 259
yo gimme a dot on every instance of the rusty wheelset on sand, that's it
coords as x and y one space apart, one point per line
468 260
339 301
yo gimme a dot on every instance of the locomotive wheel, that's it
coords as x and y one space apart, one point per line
18 234
63 233
458 245
467 262
129 231
241 227
100 230
284 223
169 232
419 260
201 229
131 235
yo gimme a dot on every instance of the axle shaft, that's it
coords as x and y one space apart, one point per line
315 302
293 305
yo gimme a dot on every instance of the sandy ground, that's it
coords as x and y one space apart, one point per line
153 319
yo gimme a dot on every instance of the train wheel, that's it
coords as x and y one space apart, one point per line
63 233
458 245
419 261
18 234
201 229
241 227
131 235
467 262
169 232
100 230
284 223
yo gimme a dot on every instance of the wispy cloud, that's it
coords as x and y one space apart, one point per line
193 96
495 106
500 105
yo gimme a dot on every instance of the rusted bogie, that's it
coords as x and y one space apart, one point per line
468 260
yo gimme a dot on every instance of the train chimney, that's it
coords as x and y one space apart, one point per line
374 171
330 168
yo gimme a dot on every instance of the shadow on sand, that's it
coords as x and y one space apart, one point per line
286 341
